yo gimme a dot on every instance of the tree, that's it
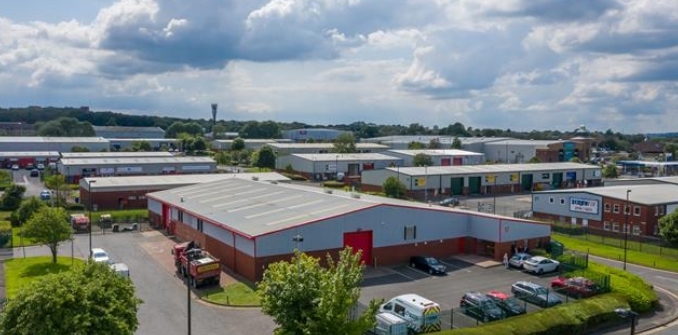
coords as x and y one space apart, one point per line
394 187
610 171
304 298
416 146
222 158
49 227
434 144
67 126
142 146
668 227
11 198
422 160
575 160
91 299
456 143
345 143
199 144
218 131
28 208
57 182
78 148
266 158
534 160
238 144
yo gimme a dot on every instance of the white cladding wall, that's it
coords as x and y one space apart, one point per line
386 222
154 206
220 234
559 204
191 220
514 230
245 245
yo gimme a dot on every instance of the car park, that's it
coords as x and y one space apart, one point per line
30 166
578 287
35 173
40 166
509 304
540 264
535 293
15 167
100 256
517 260
481 307
427 264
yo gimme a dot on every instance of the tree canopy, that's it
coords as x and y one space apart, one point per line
67 126
265 158
610 171
668 227
345 144
178 127
422 160
49 226
11 198
28 208
91 299
394 188
305 298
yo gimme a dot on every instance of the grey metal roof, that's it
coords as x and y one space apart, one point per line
29 154
324 145
517 142
138 161
641 194
114 140
437 152
256 208
428 138
123 128
107 183
493 168
346 157
121 154
41 139
249 140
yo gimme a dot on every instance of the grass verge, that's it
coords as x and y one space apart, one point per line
236 294
16 239
610 252
21 272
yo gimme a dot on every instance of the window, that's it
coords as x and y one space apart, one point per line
607 208
562 201
636 210
636 230
545 176
656 230
180 216
551 200
606 225
399 310
200 223
615 208
615 227
627 209
626 229
656 210
410 232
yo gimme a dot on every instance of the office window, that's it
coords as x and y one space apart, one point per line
410 232
627 209
636 210
551 200
636 230
562 201
615 208
180 216
200 223
607 208
545 176
615 227
607 225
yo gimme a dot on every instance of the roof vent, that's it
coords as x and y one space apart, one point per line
255 178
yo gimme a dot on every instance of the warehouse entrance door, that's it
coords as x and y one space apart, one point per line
360 240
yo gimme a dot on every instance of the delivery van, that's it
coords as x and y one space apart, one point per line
390 324
422 315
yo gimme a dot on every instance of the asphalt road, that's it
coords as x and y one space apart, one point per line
33 184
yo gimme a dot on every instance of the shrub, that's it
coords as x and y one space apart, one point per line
294 176
333 184
75 207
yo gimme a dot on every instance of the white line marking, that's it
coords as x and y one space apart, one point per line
456 267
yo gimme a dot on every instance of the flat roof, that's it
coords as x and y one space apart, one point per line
647 163
126 128
526 142
138 161
323 145
43 139
248 140
655 194
113 140
116 154
29 154
254 208
492 168
437 152
347 157
427 138
101 183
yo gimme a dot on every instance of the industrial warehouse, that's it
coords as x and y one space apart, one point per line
249 224
74 169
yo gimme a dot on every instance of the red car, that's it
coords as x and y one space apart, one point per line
578 287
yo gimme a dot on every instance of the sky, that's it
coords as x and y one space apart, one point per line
511 64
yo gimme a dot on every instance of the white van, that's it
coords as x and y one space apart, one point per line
121 269
422 315
390 324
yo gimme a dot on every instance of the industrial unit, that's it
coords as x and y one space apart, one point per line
128 132
250 144
522 151
60 144
76 168
605 208
312 134
108 154
282 149
485 179
329 166
249 224
130 192
157 144
440 157
24 158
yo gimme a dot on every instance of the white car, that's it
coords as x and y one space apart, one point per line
100 255
539 265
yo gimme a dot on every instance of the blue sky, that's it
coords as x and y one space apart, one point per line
518 64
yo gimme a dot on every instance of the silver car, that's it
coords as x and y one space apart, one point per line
517 260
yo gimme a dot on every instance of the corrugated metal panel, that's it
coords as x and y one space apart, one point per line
244 245
220 234
154 206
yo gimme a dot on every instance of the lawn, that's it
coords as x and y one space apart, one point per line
606 251
16 239
20 272
237 294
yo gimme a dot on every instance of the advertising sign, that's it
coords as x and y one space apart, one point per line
584 205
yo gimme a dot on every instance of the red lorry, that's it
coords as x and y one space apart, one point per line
80 223
195 264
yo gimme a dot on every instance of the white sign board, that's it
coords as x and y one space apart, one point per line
584 205
130 169
107 170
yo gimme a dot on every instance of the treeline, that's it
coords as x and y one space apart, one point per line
41 116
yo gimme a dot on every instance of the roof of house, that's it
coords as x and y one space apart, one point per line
640 194
137 161
29 154
437 152
332 157
493 168
116 154
140 182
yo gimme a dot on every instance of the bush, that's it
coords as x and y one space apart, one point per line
294 176
333 184
640 295
75 207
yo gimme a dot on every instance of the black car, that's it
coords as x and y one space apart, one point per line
481 307
428 264
35 173
510 305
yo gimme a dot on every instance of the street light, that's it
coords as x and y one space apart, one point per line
627 211
297 239
627 313
89 214
336 171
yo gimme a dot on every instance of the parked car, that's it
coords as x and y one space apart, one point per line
535 294
428 264
509 304
540 264
578 287
40 166
479 306
15 167
30 166
449 202
100 255
35 173
517 260
45 195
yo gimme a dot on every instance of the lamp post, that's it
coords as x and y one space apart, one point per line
426 183
89 199
297 239
627 211
336 169
627 313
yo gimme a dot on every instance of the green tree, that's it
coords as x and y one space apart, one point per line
238 144
394 188
534 160
223 158
199 144
49 227
57 182
575 160
416 146
304 298
28 208
142 146
91 299
434 144
78 148
67 126
218 131
456 143
422 160
11 198
610 171
345 143
668 227
266 158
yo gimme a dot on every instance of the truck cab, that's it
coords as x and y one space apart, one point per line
80 223
196 264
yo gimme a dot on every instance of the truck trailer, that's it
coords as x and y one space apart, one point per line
195 264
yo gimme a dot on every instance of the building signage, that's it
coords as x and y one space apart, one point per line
106 170
584 205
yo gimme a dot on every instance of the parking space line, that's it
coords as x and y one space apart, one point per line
402 274
456 267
